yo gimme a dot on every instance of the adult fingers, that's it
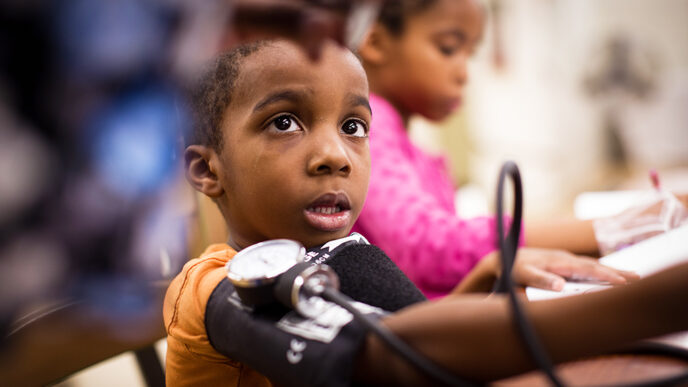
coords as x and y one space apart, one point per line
305 24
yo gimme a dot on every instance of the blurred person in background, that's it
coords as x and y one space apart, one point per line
416 59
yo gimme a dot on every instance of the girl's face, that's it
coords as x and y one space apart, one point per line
425 68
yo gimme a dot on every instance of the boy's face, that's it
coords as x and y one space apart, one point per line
295 160
431 55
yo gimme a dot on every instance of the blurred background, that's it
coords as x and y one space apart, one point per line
585 95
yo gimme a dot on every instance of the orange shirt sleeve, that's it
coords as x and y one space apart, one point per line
191 360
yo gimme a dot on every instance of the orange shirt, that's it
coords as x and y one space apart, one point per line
190 359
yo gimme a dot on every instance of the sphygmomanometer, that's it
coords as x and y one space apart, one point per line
288 299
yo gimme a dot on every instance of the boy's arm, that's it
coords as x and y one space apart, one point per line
476 338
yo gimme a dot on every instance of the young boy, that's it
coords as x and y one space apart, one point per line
280 144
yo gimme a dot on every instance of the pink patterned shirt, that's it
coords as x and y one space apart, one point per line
409 211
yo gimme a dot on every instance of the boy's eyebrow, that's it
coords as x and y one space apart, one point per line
359 100
295 96
288 95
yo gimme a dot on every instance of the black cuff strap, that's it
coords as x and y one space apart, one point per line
289 349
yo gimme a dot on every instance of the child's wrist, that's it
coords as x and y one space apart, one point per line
482 277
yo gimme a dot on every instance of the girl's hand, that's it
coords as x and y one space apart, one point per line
549 269
637 223
683 198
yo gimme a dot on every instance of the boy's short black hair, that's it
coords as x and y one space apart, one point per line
393 13
210 94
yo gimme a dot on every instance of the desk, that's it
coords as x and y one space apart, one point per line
605 370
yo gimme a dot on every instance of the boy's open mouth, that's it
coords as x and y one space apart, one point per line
329 212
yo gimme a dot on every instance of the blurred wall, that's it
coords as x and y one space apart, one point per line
588 93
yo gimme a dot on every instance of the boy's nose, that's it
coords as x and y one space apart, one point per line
329 156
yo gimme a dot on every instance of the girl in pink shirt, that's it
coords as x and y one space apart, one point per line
409 211
415 58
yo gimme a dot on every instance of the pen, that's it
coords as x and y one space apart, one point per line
654 178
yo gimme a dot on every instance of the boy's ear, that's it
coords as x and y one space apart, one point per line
200 163
376 46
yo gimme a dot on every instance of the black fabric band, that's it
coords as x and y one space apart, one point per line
366 274
254 339
258 338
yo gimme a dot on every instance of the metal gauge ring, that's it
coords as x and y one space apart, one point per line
254 270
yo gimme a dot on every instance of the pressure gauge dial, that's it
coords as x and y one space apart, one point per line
254 270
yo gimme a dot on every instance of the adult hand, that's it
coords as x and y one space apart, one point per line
307 22
207 28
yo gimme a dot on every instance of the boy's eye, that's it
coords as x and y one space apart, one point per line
284 123
355 128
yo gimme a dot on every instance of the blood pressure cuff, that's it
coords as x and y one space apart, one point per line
366 273
289 349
